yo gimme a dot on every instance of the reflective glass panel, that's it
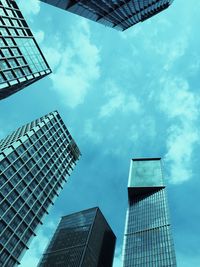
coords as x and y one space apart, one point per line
146 173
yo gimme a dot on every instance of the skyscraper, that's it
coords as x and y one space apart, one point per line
148 241
21 60
35 161
117 14
82 239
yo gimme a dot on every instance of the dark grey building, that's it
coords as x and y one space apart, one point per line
35 162
118 14
82 239
148 241
21 60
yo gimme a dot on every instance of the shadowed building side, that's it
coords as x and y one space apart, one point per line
81 239
116 14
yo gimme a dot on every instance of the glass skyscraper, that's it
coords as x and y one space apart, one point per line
82 239
21 60
35 161
117 14
148 241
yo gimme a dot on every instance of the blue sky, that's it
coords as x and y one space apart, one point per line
122 95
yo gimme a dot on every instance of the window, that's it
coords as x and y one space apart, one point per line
15 179
21 61
20 32
9 215
12 32
15 52
6 52
24 210
18 203
2 180
12 63
9 172
9 42
3 207
12 157
3 65
18 73
7 22
13 196
18 164
4 256
1 79
3 31
21 186
6 189
9 75
18 250
2 13
10 13
26 71
15 22
4 164
15 222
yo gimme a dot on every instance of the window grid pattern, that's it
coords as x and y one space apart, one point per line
115 13
21 61
81 239
68 243
31 177
148 241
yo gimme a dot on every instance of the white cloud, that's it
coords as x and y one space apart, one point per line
133 133
29 7
90 132
39 36
39 244
182 108
118 101
32 256
177 48
76 66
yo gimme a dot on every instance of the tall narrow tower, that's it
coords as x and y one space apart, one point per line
35 162
116 14
82 239
147 240
21 60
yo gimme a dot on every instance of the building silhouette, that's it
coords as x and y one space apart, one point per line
117 14
21 60
81 239
147 240
35 161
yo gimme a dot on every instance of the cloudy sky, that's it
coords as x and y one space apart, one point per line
122 95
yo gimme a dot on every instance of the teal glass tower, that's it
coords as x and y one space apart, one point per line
82 239
21 60
116 14
147 241
35 162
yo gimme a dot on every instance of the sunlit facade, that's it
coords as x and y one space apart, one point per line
35 162
116 14
82 239
147 241
21 60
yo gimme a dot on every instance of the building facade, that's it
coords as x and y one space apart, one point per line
147 241
35 161
21 60
113 13
82 239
